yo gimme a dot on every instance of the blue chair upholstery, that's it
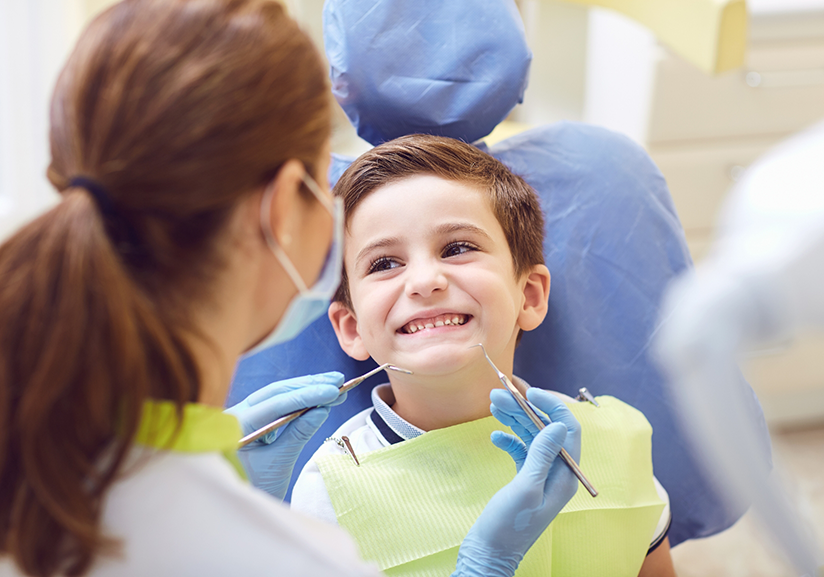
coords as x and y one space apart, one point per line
613 242
390 75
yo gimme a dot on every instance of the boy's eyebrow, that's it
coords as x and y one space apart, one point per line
380 243
451 227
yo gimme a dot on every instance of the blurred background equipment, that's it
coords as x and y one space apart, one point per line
760 284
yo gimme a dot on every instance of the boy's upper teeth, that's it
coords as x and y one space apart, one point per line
448 319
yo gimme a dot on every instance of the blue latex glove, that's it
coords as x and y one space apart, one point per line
269 461
517 515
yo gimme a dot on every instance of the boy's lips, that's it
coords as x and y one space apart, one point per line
434 321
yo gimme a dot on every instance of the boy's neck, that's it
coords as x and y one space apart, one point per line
439 402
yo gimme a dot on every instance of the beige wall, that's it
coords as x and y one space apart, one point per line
94 6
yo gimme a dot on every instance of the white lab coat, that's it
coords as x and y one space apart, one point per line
182 514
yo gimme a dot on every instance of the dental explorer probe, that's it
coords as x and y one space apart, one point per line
289 417
533 416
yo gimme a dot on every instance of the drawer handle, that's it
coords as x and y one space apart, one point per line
785 78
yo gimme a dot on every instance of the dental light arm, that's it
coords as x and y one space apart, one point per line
762 283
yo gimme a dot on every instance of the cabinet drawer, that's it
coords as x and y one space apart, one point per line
780 90
699 177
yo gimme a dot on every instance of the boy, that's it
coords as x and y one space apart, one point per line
444 250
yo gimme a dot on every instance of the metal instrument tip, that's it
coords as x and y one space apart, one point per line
486 355
399 370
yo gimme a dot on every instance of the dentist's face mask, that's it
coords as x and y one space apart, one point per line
309 303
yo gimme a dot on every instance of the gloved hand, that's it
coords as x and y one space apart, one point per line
517 514
269 461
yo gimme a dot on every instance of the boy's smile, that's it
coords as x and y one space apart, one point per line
430 274
433 322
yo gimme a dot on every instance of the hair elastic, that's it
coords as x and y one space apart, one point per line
118 228
98 192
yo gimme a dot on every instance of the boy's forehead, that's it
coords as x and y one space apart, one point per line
399 195
423 208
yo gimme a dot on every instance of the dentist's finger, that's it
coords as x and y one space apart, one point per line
512 445
304 427
543 451
507 403
517 427
266 411
279 387
559 413
554 407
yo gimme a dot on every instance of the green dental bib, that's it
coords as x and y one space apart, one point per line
409 506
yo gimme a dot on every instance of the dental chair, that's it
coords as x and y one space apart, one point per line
613 238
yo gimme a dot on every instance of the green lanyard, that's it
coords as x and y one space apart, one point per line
205 429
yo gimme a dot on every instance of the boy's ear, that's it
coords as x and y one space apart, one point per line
346 328
536 298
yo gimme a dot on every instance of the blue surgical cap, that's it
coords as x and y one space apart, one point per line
445 67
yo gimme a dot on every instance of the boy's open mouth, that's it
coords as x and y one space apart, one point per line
449 319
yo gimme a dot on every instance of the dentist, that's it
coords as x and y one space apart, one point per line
189 143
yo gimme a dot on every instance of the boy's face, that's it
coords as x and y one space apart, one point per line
431 274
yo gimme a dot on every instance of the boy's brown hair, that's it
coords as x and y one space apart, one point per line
514 202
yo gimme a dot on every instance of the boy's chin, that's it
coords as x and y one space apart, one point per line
440 362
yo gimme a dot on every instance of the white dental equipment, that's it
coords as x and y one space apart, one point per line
762 283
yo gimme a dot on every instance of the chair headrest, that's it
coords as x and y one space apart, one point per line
391 77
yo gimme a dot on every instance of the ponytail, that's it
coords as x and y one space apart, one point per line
81 349
178 110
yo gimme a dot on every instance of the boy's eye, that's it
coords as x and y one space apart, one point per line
457 248
381 264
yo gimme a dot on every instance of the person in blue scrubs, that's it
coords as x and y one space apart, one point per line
189 143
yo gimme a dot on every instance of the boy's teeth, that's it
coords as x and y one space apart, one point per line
439 321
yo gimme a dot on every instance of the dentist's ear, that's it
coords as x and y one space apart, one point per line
536 298
285 211
346 328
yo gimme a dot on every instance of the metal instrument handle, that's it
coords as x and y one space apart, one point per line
289 417
533 416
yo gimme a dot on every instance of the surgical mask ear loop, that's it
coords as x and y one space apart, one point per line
274 245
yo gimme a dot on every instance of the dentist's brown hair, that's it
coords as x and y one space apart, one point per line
178 109
514 203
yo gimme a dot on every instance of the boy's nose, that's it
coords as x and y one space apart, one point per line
423 280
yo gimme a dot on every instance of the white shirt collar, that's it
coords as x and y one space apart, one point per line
383 399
